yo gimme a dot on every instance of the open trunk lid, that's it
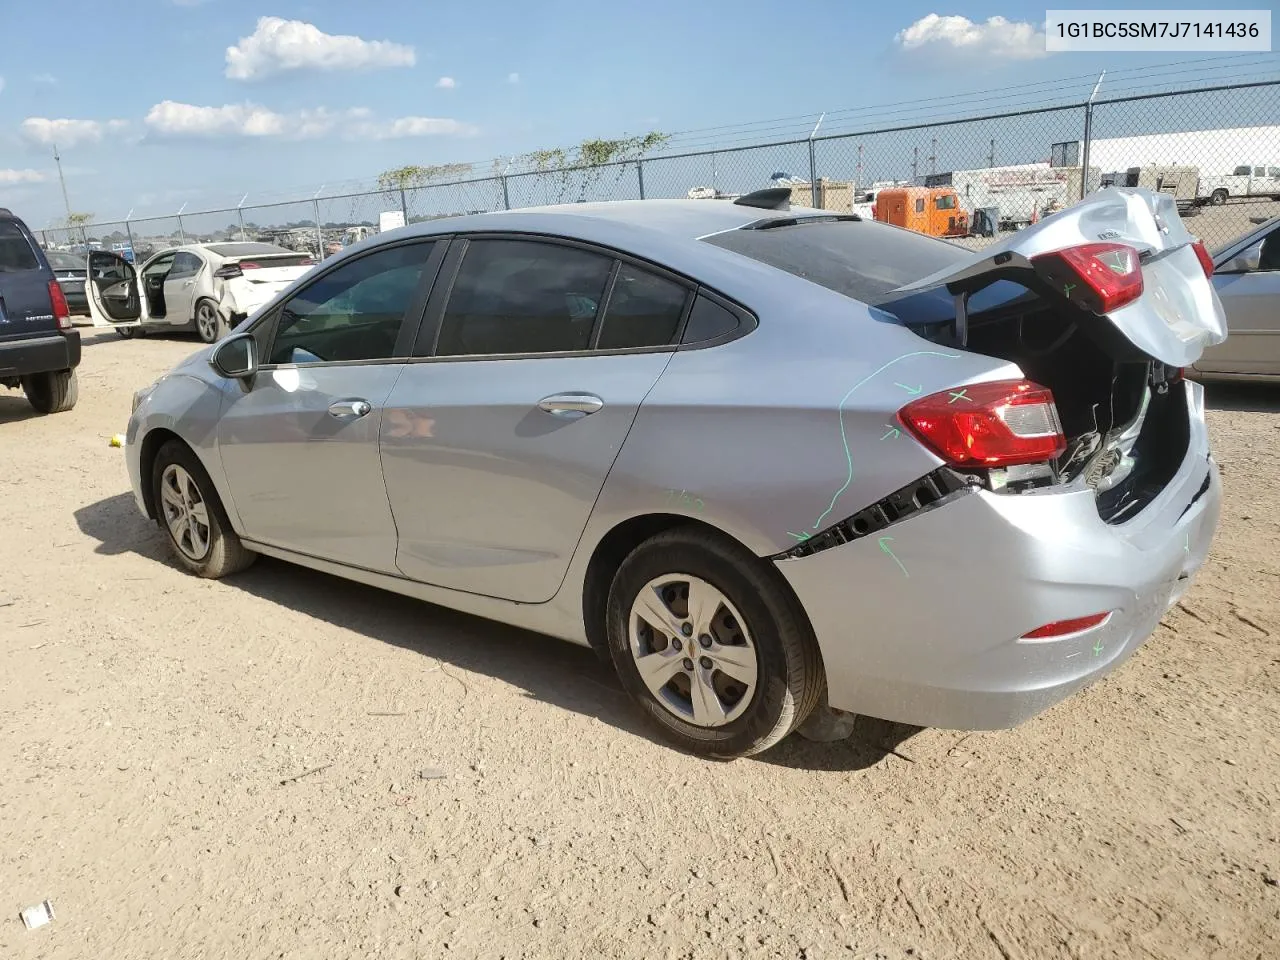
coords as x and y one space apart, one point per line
1178 313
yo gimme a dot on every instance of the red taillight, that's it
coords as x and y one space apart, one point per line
1202 253
228 271
998 424
249 265
1100 277
60 311
1061 628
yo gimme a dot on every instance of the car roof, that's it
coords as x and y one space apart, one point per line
685 219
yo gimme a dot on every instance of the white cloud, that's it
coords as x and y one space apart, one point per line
402 127
47 78
513 78
1 84
10 177
446 83
67 132
278 45
951 36
247 120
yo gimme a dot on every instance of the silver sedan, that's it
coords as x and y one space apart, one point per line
781 466
1247 278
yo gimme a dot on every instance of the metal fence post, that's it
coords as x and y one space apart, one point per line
640 176
404 205
1088 138
813 165
315 205
182 235
128 230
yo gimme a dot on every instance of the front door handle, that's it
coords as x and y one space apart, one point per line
350 409
570 406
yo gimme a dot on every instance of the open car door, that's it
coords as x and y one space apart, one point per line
112 291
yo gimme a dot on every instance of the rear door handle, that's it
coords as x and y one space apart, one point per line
570 406
350 409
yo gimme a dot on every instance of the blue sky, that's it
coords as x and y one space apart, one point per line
156 103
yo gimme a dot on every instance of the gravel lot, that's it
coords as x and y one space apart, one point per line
148 719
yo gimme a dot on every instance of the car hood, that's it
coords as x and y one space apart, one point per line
1178 314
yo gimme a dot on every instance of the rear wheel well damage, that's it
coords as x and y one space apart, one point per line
616 546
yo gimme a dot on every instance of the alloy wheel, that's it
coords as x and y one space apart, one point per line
185 512
693 650
207 322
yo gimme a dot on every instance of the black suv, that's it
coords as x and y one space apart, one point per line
39 351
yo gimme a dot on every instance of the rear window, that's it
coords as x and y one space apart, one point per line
15 250
64 261
860 259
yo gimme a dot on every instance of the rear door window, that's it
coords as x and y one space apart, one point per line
523 296
644 310
185 265
860 259
16 254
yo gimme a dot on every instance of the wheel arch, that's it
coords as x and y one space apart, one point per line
151 444
617 544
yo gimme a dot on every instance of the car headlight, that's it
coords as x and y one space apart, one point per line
140 395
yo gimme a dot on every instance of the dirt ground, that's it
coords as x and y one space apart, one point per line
150 722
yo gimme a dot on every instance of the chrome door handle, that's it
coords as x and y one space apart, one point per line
188 283
350 409
570 406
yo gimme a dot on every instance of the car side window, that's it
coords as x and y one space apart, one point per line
351 313
644 310
15 250
158 267
708 321
920 206
523 296
185 265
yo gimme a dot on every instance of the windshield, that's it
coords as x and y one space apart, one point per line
860 259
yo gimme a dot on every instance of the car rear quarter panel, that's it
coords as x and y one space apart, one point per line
788 430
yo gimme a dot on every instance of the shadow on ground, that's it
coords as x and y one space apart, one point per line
551 670
14 407
1244 397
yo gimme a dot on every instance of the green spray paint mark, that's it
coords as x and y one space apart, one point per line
894 432
844 437
914 391
1097 647
884 545
960 395
801 537
681 498
1067 288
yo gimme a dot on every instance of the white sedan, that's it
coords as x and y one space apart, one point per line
207 288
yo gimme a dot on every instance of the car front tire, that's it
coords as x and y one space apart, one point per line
716 651
191 515
55 392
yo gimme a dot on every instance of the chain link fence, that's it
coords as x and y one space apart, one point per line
1216 149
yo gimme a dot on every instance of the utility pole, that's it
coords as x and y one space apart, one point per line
63 180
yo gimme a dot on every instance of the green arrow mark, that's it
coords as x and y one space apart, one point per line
884 545
894 432
911 390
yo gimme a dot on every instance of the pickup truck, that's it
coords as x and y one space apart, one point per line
1260 182
39 349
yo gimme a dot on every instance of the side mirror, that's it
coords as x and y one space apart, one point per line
236 357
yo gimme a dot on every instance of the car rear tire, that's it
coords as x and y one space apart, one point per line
210 327
55 392
128 333
730 674
1218 197
191 515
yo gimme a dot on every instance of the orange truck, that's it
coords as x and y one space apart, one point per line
932 210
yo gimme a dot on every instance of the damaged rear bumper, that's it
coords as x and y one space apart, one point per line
921 622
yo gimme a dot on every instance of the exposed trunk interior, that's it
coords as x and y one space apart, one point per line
1124 415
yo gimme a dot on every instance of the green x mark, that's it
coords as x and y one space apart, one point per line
960 395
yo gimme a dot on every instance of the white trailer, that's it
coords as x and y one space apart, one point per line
1021 192
1233 161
